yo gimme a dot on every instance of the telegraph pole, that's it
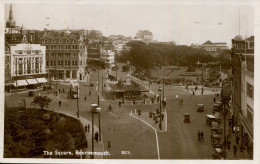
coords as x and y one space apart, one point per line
92 156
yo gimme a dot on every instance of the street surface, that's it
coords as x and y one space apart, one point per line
136 139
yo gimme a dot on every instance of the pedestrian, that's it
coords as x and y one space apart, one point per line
235 150
237 139
217 94
214 99
109 108
109 144
96 136
177 97
193 93
199 135
234 129
89 93
88 128
228 144
119 103
63 90
59 90
202 90
59 103
196 88
85 98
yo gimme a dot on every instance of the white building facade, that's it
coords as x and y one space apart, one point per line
27 65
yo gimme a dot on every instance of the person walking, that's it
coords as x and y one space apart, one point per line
59 103
96 136
109 144
235 150
214 100
228 144
59 90
85 98
63 90
177 97
88 128
89 93
119 104
199 135
237 139
193 93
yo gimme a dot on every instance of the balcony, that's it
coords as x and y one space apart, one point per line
243 51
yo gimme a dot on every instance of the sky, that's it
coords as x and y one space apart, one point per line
184 24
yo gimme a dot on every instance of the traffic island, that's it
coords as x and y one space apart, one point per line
151 119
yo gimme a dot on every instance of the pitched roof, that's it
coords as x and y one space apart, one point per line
251 38
207 42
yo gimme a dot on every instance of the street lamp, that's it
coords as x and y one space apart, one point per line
160 92
93 110
98 109
78 100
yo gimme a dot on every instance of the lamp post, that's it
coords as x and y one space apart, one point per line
99 124
78 100
160 92
95 109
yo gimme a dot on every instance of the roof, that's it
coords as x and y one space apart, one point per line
251 38
210 116
124 88
207 42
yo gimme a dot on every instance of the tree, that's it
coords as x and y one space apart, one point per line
42 101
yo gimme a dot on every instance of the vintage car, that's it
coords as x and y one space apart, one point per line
210 119
200 108
218 154
216 108
216 140
186 117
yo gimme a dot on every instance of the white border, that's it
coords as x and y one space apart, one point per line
143 2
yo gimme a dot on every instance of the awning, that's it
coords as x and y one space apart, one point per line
21 83
31 81
41 80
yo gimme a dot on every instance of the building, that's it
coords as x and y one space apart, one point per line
145 36
108 57
100 51
211 47
127 89
242 55
27 67
66 55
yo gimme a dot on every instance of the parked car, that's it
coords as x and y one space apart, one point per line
200 108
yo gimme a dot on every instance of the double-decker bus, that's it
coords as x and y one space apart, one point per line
74 89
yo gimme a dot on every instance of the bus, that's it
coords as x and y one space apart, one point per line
74 89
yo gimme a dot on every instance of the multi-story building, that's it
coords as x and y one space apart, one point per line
100 51
209 46
243 89
145 36
65 55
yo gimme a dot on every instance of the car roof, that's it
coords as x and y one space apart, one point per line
210 116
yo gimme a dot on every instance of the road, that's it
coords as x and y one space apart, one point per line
135 137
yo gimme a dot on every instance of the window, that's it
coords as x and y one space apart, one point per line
239 46
47 63
61 63
251 45
250 91
72 62
69 63
51 63
76 62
